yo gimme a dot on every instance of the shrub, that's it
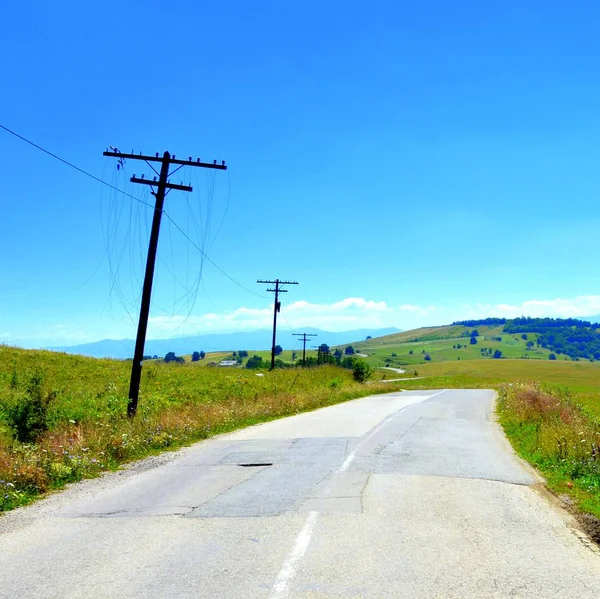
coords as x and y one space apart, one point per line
497 354
28 418
552 357
255 362
361 371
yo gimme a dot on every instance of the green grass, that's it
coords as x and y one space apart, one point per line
265 354
88 432
399 353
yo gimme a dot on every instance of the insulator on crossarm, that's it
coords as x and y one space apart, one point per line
142 176
157 154
155 178
222 163
189 158
214 162
197 159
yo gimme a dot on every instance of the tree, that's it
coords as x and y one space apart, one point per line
255 362
202 355
368 337
497 354
427 357
361 371
552 357
278 350
171 357
243 353
196 356
324 348
473 341
411 352
474 333
349 351
529 344
338 353
524 336
294 356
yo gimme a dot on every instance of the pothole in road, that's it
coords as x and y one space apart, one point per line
256 464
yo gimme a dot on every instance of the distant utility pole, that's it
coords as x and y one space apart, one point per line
161 186
276 308
318 348
304 337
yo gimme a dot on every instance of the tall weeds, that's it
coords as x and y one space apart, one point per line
551 430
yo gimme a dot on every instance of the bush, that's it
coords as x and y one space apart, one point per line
427 358
28 418
497 354
552 357
196 356
255 362
171 357
361 371
473 341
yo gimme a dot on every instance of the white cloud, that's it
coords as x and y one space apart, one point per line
349 313
583 305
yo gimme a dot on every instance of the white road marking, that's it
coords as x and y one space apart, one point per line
288 571
289 568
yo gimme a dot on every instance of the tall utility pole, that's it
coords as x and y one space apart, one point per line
304 337
161 186
276 308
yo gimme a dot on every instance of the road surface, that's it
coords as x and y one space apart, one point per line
412 494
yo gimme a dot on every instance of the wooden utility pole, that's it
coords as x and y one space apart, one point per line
276 308
161 186
304 337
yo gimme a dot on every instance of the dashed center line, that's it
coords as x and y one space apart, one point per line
288 571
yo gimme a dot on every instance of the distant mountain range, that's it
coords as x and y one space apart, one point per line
123 348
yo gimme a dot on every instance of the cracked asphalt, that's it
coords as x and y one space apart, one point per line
413 494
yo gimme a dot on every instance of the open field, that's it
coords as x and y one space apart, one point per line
82 404
582 378
441 344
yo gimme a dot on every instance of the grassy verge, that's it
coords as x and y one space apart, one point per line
552 422
80 404
552 431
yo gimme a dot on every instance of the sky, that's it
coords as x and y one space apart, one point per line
409 164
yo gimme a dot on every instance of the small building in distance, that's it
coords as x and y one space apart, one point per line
228 363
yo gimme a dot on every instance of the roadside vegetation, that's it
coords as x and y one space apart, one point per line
62 417
557 434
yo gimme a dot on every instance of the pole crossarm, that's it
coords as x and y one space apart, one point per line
155 183
172 160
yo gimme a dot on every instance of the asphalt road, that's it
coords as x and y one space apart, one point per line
411 494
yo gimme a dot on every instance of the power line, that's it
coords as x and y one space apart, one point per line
87 174
74 166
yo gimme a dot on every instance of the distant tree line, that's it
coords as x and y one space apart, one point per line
488 321
572 337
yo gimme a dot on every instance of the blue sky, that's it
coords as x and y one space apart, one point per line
407 164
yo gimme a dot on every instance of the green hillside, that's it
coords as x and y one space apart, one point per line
451 343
